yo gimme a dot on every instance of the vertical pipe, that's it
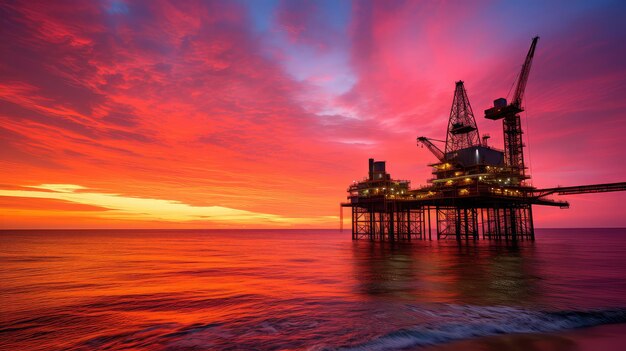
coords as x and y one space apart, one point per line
475 216
381 225
472 216
514 228
530 222
437 222
519 215
506 224
429 228
401 225
482 222
488 223
457 228
408 224
422 218
497 222
466 222
372 231
392 228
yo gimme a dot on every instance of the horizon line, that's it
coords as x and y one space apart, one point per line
281 229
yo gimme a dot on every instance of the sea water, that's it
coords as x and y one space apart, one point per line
309 290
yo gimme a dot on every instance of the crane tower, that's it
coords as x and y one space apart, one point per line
511 124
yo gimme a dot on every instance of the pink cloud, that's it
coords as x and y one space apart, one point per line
190 102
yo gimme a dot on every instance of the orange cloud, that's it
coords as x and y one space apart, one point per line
137 208
210 108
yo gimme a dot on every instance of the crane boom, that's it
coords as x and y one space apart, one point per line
500 107
523 78
432 147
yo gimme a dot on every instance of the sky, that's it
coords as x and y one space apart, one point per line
259 114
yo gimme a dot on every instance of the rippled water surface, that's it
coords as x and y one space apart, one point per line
309 290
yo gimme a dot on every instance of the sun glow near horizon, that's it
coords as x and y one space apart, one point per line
129 208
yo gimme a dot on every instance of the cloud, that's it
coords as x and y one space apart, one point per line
136 208
206 103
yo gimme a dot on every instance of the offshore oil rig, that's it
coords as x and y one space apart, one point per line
477 190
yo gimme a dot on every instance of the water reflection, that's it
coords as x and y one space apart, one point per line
484 273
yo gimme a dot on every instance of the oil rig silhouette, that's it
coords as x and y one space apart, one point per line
477 190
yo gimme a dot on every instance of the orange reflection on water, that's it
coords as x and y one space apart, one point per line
161 290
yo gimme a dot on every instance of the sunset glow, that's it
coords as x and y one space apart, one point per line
119 207
259 114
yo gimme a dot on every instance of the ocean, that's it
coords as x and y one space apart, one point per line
309 290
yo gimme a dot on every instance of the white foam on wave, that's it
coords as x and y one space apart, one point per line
466 322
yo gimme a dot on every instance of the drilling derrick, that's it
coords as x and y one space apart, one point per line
511 124
462 130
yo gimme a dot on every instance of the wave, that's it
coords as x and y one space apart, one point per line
475 321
